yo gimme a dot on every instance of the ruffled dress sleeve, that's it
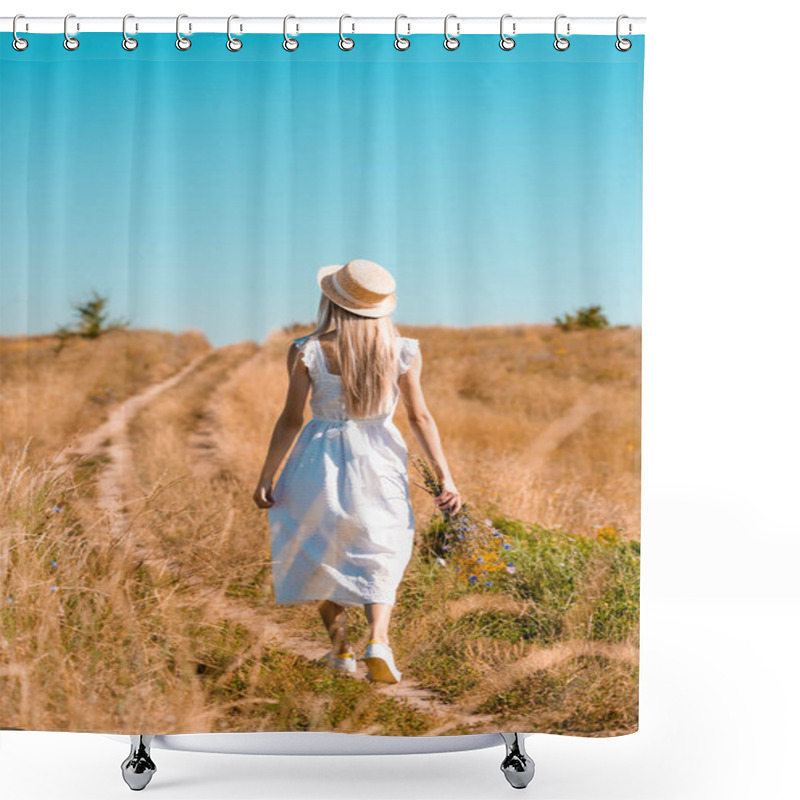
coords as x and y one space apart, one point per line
408 350
307 352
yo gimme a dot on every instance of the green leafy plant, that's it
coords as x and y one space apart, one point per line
92 321
91 315
588 317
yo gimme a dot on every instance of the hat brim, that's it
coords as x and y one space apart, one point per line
325 283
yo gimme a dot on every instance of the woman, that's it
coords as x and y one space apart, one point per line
340 517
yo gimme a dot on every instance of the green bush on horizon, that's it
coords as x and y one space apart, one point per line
588 317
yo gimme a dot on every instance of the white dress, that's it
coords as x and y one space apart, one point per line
342 527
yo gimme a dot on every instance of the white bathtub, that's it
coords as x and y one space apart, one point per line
138 768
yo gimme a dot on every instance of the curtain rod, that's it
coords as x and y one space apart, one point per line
406 25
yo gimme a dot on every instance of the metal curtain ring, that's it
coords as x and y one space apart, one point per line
289 42
128 42
181 42
17 42
451 42
507 42
70 42
560 43
621 44
401 42
345 42
233 44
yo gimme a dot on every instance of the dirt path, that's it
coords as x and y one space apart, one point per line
117 480
205 456
117 486
548 441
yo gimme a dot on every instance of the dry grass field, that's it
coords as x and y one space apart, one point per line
135 586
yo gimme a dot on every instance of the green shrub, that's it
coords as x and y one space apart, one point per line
588 317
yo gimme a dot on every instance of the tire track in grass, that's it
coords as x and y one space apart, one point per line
110 441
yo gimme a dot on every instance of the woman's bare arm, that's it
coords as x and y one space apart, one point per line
289 423
426 432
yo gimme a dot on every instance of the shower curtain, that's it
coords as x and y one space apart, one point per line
165 212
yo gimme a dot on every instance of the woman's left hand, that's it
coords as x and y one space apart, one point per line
263 496
450 498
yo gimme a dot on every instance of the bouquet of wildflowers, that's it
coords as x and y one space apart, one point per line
473 547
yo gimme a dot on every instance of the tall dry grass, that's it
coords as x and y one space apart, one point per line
48 396
92 639
170 624
541 423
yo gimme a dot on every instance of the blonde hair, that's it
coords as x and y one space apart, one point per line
367 355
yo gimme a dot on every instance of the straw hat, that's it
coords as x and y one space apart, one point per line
360 286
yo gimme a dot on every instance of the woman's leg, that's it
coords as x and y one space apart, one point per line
335 618
378 616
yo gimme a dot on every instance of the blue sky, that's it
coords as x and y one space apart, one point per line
203 189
